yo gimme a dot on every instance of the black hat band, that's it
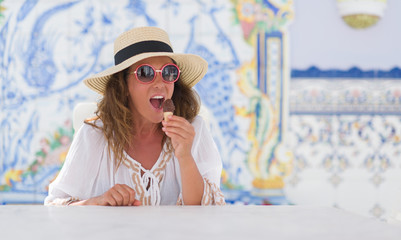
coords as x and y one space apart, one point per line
140 47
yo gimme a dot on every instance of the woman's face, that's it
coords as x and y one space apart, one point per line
146 98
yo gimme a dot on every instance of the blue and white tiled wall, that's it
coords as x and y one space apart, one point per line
48 47
346 139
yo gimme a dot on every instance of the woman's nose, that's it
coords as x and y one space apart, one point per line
158 79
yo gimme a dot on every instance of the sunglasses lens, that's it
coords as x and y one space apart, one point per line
145 74
170 73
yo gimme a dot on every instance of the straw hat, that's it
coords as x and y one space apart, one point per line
144 42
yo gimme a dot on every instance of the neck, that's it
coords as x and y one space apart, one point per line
142 130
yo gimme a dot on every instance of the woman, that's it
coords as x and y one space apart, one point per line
128 155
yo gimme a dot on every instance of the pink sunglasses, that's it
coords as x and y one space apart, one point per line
146 73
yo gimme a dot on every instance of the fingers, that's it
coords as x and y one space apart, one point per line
174 120
120 195
178 134
179 127
181 133
131 196
137 203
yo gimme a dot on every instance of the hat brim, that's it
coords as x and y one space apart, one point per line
193 69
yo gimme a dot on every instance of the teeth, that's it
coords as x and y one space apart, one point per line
159 100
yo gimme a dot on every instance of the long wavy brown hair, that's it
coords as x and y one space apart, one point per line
118 121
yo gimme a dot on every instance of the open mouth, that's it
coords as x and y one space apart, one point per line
157 101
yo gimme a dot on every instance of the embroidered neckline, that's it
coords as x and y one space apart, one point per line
139 165
152 178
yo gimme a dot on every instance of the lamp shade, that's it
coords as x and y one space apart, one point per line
361 14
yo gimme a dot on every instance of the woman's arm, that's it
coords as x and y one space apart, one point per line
182 133
118 195
192 182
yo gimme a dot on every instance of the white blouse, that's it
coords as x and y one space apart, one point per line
89 171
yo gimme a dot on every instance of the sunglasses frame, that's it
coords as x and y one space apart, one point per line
156 71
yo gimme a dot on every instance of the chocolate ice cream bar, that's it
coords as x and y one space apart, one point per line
168 108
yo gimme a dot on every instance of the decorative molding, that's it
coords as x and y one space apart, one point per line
341 96
354 72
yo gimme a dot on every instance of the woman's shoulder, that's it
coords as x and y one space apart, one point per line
201 125
198 123
89 136
91 128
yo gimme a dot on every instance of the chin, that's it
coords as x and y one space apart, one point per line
157 119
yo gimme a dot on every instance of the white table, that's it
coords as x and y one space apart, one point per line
171 222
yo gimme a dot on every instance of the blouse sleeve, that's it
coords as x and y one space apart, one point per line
208 161
80 170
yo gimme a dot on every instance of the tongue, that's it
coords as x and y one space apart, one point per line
156 103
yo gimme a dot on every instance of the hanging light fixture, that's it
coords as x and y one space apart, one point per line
361 14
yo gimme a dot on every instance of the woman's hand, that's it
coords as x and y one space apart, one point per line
118 195
182 135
